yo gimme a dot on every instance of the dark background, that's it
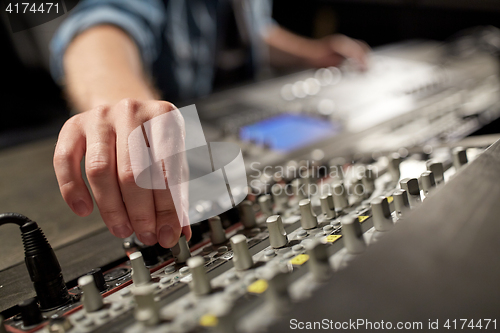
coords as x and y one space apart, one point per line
33 105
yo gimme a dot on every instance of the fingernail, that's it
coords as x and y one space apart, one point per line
80 207
148 238
122 230
166 236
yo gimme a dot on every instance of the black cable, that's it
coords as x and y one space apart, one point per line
41 262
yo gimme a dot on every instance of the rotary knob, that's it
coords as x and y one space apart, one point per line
340 196
352 234
394 163
327 206
180 251
410 185
459 157
266 206
200 283
437 169
280 197
30 313
217 233
382 220
247 215
401 202
277 234
140 273
92 299
242 259
427 181
318 262
146 310
308 220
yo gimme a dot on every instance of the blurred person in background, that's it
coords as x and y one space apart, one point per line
120 61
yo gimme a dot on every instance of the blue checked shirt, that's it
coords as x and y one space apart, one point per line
176 38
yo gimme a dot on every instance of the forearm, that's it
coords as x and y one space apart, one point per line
103 66
287 48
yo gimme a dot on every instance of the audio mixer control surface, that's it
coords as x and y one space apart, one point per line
336 160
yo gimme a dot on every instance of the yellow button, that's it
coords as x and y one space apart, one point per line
390 199
208 320
299 260
258 287
332 238
362 218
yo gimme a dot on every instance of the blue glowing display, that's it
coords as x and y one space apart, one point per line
288 132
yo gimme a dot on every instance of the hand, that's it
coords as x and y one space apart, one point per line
332 50
101 135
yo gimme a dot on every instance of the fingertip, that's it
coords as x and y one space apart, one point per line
167 236
186 231
121 231
81 208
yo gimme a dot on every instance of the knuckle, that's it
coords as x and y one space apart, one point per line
96 168
101 111
129 105
141 220
165 106
165 213
127 176
61 156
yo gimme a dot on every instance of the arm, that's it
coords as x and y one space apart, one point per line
289 49
103 66
106 84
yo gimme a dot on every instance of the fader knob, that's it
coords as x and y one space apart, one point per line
401 202
92 299
266 206
30 313
180 251
140 273
459 157
428 182
327 206
437 169
410 185
146 310
318 262
277 234
340 196
382 220
307 219
247 215
352 234
242 259
200 284
217 233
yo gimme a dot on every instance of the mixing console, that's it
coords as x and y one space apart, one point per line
336 160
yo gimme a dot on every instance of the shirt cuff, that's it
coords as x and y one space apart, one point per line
136 28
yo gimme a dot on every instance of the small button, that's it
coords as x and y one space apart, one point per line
103 315
302 233
327 228
165 280
269 253
169 269
288 255
184 270
222 249
298 247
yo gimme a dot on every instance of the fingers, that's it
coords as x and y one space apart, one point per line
151 212
100 166
350 49
67 157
